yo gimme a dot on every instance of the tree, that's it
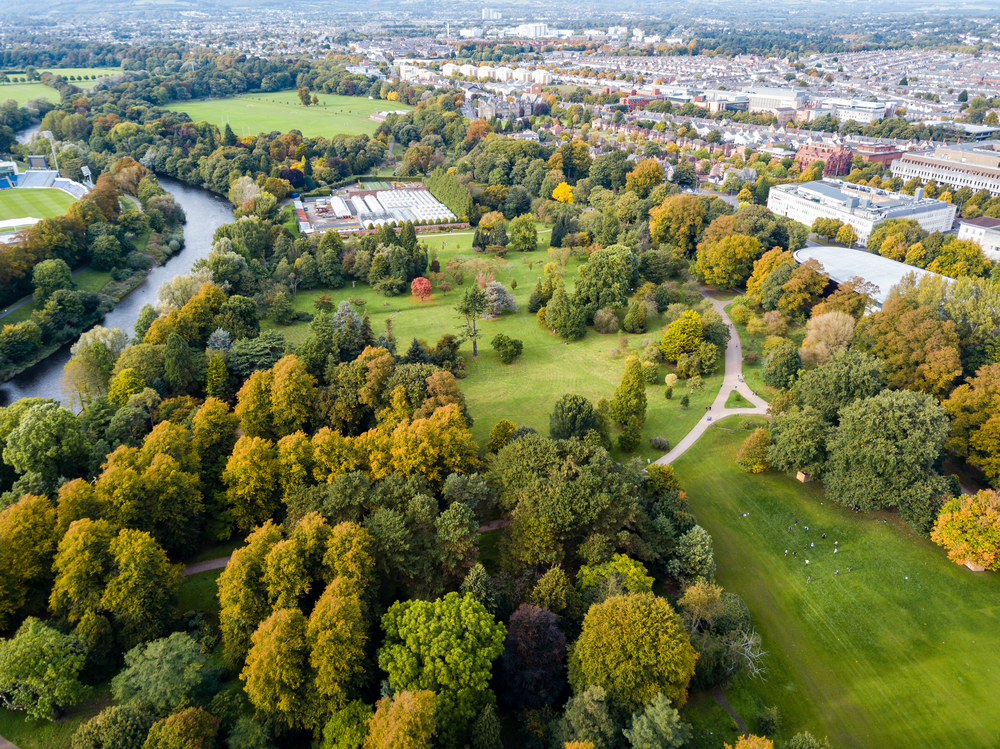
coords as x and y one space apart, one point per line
337 632
563 193
572 416
180 369
634 646
251 480
243 600
500 435
446 646
347 728
781 366
846 235
693 557
629 401
27 549
408 720
884 454
647 175
508 348
762 269
420 287
631 575
681 336
726 263
752 456
140 594
276 674
532 668
116 727
164 673
471 307
677 221
124 385
607 278
847 377
49 442
826 334
48 277
798 439
635 318
659 726
974 408
292 392
751 742
191 728
81 566
968 527
486 730
523 234
589 720
39 671
701 604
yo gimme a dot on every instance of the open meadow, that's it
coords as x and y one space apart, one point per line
898 652
41 202
282 111
526 390
25 92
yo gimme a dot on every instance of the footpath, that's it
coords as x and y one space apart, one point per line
731 380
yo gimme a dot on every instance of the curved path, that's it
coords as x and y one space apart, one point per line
731 380
211 564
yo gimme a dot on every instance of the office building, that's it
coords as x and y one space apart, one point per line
861 206
972 165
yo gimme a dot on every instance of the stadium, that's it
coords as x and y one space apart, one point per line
29 196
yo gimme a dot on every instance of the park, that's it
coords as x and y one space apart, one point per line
282 111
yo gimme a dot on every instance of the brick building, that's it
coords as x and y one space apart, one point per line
837 159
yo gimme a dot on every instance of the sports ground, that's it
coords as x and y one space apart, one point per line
282 111
42 202
898 652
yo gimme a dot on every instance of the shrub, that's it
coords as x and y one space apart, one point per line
649 372
752 455
769 721
508 348
668 393
606 321
751 357
660 443
685 401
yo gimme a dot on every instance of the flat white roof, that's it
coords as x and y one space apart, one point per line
842 264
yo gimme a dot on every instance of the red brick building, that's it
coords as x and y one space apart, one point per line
884 154
837 159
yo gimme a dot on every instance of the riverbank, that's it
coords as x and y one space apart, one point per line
205 212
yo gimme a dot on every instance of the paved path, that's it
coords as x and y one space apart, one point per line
194 569
731 380
4 744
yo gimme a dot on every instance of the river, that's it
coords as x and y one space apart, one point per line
205 213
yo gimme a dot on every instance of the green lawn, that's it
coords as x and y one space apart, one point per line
25 92
35 202
282 111
735 400
526 390
67 72
41 734
200 592
899 652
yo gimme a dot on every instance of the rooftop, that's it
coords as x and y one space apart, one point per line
842 264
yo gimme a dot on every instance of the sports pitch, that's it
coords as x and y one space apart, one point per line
41 202
282 111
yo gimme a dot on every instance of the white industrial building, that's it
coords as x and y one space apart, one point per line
984 231
861 206
972 165
842 264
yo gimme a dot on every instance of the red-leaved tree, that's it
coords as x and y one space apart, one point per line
421 288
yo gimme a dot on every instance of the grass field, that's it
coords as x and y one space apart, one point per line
67 72
25 92
899 652
526 390
282 111
41 202
41 734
